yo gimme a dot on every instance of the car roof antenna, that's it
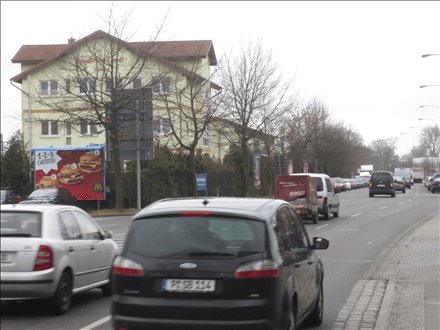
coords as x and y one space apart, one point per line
205 202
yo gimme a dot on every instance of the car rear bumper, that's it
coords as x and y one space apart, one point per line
157 313
382 191
27 285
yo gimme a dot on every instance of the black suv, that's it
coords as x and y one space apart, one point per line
217 263
382 183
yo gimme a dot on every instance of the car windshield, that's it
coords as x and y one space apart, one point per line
319 185
200 236
43 193
20 224
381 176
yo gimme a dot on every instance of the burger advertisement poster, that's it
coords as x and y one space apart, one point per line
81 171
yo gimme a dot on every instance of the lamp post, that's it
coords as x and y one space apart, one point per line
427 55
429 105
412 135
435 123
424 86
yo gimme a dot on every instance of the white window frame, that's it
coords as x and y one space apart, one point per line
52 88
206 137
161 126
90 85
161 85
50 128
88 126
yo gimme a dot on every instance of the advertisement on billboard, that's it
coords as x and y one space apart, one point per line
81 171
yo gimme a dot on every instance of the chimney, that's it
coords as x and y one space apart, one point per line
71 41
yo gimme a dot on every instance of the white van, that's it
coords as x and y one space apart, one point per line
328 199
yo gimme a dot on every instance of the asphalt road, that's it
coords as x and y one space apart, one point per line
364 228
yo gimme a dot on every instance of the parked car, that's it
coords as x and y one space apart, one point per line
8 196
50 196
381 183
435 185
428 181
218 263
338 184
347 184
399 184
51 252
300 191
328 200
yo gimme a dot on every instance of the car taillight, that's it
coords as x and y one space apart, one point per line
391 184
195 213
298 206
44 259
124 266
370 185
259 269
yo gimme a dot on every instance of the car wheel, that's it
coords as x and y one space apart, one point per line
107 289
393 194
371 195
291 318
60 301
315 318
336 214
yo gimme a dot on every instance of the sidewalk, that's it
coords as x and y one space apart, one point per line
401 290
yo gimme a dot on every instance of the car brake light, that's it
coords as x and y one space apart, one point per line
195 213
392 184
298 206
44 259
124 266
259 269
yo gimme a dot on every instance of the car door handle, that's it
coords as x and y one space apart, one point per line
310 262
92 247
297 265
71 249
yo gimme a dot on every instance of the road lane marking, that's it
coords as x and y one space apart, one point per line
383 207
322 226
113 224
355 215
97 323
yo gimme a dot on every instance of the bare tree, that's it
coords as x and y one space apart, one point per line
430 140
190 108
254 96
99 74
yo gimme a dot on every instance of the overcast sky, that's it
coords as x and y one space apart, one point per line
362 59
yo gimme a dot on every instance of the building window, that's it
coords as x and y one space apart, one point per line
68 127
67 86
49 128
87 128
137 83
119 84
161 85
87 85
161 126
206 137
48 87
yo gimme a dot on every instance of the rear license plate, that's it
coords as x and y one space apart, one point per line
6 257
381 185
188 285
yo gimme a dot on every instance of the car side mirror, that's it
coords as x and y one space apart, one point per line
320 243
108 234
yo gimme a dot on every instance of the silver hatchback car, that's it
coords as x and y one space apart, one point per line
52 252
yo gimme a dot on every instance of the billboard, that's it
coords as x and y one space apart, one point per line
80 170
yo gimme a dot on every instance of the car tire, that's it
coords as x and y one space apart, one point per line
336 214
107 289
291 318
60 301
315 218
371 195
403 191
316 316
393 194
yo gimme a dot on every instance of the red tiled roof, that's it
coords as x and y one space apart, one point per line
171 50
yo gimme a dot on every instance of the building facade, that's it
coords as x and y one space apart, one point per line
67 88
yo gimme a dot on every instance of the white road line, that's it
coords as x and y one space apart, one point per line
322 226
113 224
383 207
97 323
355 215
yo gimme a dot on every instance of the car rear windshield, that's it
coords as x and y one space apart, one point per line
20 224
197 237
381 176
43 193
